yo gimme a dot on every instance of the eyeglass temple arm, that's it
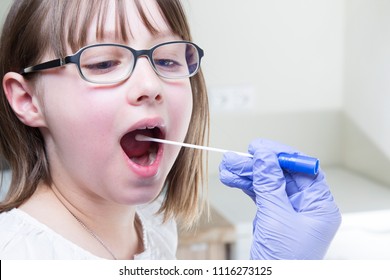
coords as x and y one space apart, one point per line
46 65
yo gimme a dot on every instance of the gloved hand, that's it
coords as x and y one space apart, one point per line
296 216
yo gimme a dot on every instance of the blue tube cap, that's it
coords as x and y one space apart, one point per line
299 163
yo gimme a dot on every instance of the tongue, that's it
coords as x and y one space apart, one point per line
134 148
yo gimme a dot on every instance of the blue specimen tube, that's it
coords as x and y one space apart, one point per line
299 163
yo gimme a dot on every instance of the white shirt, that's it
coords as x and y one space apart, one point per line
23 237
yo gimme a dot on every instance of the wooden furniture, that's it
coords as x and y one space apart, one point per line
210 240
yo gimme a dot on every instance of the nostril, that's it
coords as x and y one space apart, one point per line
149 98
158 98
142 98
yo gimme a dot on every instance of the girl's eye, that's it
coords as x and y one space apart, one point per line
103 66
168 63
171 66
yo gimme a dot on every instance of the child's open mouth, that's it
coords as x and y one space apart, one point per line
143 153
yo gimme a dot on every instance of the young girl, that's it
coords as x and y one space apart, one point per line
68 128
80 80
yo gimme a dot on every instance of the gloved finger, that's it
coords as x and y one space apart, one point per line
266 168
276 148
294 181
316 201
269 182
298 182
235 181
271 146
236 171
237 164
312 197
291 186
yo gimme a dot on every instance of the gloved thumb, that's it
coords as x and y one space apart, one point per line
236 171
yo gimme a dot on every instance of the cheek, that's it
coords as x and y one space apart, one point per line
79 114
179 110
78 120
181 105
70 100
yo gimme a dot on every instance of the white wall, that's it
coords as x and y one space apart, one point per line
325 56
367 71
291 52
4 6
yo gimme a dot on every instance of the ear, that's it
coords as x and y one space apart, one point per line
23 99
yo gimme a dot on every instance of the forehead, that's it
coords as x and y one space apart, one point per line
142 22
129 22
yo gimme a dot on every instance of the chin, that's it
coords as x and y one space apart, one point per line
141 194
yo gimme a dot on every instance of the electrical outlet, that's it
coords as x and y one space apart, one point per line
232 98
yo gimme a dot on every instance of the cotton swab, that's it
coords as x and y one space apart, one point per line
140 137
292 162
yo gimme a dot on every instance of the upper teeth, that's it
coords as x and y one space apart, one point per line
147 127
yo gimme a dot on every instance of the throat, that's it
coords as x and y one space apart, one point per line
142 153
146 158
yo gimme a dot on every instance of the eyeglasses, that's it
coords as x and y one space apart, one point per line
113 63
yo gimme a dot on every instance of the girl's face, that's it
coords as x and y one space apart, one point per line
89 128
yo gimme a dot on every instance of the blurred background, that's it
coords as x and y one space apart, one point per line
313 74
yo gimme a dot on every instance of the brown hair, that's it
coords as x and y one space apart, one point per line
34 28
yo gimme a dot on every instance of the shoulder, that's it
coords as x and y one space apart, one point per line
22 237
16 235
160 239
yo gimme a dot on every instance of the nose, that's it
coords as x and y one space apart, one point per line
145 86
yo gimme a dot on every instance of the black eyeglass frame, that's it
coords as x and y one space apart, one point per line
75 59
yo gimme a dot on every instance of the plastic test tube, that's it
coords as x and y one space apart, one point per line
299 163
291 162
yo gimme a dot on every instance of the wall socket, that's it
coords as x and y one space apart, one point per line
232 98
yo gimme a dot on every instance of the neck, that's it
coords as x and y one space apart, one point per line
114 227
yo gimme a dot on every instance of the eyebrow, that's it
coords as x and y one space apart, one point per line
161 37
111 35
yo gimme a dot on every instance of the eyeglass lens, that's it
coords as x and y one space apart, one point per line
113 63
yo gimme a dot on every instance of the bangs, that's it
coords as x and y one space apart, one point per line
78 16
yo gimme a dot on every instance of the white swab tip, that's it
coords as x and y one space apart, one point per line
140 137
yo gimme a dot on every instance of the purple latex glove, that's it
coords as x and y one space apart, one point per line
296 216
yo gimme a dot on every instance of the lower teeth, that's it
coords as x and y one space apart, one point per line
145 160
